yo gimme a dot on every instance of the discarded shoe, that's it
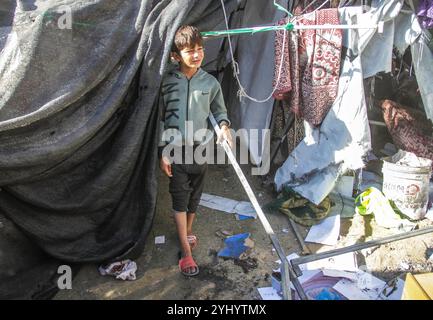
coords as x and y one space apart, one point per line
185 265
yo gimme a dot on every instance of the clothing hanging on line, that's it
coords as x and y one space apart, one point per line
337 148
283 85
313 57
320 82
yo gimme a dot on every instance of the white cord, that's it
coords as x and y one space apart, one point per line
236 71
305 9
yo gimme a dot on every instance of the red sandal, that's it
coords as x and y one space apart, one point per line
186 263
192 240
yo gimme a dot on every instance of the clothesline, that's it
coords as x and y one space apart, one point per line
289 27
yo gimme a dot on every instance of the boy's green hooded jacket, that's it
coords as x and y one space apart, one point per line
191 100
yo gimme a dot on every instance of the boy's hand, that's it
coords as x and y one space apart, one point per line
225 135
165 166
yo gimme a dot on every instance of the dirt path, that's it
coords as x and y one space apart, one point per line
158 276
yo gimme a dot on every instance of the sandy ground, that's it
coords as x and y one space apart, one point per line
158 276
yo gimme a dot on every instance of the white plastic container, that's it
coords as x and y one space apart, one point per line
406 182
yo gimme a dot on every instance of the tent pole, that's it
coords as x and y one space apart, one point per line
287 273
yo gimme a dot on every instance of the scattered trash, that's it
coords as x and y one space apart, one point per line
366 282
330 284
123 270
372 201
243 208
393 290
330 281
340 274
160 240
406 182
242 217
429 254
326 232
404 266
276 281
249 243
246 263
314 288
225 179
345 262
344 186
301 210
269 293
327 294
285 230
418 287
350 290
359 285
344 206
409 159
370 179
223 233
236 245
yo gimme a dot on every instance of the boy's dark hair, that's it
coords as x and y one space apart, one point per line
186 37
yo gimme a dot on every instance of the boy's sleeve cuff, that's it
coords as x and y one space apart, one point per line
226 122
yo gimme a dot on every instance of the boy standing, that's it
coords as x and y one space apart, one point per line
188 95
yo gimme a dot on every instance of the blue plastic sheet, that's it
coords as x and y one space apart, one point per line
235 246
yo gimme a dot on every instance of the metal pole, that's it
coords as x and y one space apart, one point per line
286 271
335 26
323 255
305 249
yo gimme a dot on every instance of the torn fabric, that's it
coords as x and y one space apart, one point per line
344 137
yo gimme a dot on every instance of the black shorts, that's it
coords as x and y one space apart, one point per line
186 186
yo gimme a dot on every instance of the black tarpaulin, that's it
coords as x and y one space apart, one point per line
78 124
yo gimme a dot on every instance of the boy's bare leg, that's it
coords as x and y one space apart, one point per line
189 220
181 225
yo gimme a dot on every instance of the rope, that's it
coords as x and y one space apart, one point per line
236 71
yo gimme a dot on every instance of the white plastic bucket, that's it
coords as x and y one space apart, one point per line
407 186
